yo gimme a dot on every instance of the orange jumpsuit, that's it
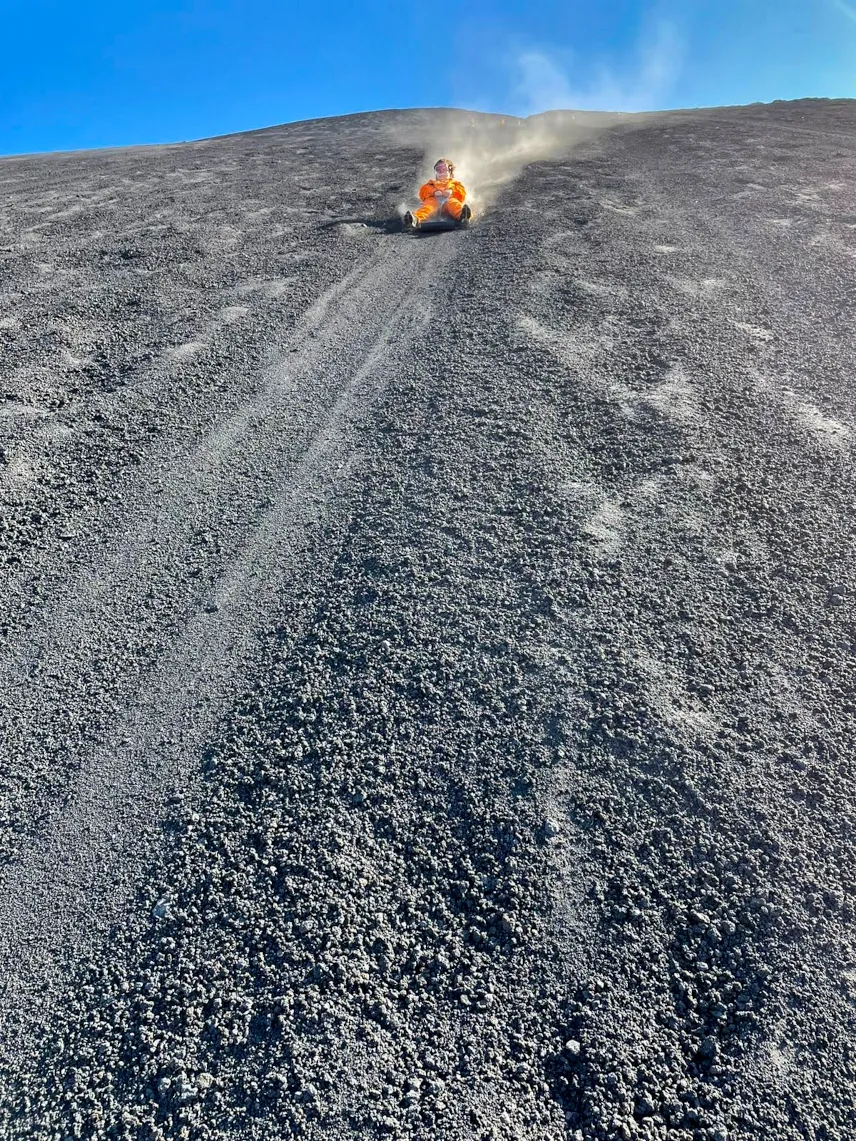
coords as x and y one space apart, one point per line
432 204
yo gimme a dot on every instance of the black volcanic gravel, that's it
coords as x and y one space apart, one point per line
427 662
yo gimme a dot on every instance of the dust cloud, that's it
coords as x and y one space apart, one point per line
489 151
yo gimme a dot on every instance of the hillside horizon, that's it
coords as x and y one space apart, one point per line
806 101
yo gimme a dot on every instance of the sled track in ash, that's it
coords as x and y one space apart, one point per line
293 444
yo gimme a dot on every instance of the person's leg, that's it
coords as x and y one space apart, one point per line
453 208
425 212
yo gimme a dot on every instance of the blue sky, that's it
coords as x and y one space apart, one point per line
93 74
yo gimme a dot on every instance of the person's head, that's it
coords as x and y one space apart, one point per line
444 168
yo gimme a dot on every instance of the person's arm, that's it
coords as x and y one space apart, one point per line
458 191
426 191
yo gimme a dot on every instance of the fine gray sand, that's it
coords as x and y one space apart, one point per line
427 663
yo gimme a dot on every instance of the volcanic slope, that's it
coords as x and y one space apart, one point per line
427 662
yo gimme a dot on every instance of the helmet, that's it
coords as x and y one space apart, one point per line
448 163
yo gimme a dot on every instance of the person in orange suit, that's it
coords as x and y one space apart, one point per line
442 198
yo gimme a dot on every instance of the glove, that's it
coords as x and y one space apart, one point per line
443 195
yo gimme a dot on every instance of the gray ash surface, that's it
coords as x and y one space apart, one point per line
427 663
